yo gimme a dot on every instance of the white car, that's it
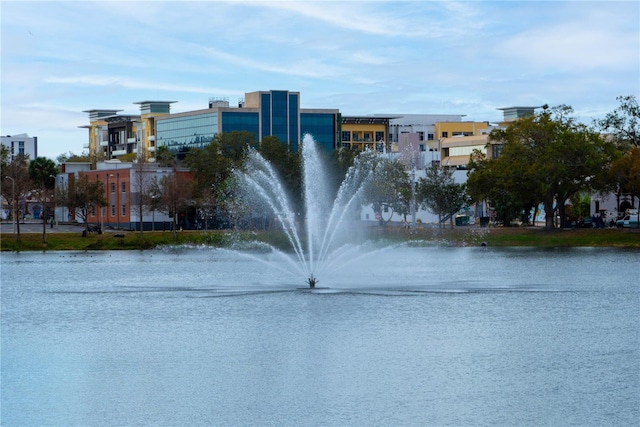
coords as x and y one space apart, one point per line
630 220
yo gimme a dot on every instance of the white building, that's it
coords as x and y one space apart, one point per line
21 144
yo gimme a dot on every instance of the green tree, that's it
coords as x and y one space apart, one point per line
623 123
341 160
387 191
234 144
42 172
623 126
624 173
213 165
288 166
439 193
549 157
508 194
70 157
165 158
210 169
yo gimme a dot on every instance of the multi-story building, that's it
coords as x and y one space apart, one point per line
365 132
122 183
265 113
422 124
113 135
21 144
458 140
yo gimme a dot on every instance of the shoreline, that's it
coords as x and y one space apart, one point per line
60 238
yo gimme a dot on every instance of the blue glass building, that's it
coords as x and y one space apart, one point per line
265 113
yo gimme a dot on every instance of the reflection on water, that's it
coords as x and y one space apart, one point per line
414 336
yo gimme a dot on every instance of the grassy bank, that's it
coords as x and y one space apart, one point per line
460 236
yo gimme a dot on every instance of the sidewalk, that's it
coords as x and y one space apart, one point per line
35 226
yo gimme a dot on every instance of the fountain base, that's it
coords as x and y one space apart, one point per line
312 281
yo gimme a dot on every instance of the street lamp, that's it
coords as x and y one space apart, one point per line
117 205
109 200
55 183
13 202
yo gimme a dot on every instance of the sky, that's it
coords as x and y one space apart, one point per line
381 57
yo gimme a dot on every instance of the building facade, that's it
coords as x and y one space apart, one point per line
114 136
266 113
123 183
21 144
365 133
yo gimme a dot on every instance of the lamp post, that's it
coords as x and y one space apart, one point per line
153 212
109 200
55 183
117 205
13 202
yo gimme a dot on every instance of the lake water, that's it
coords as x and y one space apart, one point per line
406 337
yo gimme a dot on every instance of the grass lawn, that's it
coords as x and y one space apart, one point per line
459 236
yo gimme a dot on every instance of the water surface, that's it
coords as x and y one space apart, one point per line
410 336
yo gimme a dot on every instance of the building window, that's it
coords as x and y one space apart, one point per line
497 150
430 137
445 134
421 136
112 199
124 210
422 147
379 136
346 135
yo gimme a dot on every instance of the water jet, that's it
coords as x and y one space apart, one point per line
323 239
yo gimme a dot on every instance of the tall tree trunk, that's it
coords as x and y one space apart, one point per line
16 213
44 220
175 223
548 216
562 214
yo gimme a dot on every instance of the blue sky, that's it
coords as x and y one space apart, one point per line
422 57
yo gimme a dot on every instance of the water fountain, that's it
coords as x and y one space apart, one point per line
323 240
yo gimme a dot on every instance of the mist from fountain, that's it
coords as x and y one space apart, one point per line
328 240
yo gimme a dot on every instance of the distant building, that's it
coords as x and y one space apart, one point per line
365 132
113 135
265 113
121 184
21 144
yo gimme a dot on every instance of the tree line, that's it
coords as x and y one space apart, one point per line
552 159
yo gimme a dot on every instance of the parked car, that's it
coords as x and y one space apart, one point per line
630 220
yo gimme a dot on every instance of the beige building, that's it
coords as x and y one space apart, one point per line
114 136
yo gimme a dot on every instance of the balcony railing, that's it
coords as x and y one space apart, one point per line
119 152
152 137
131 140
